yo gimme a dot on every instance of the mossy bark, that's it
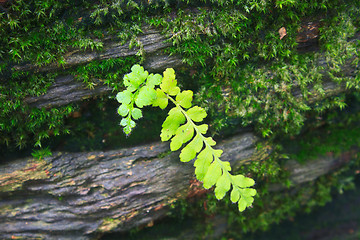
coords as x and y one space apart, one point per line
83 195
66 89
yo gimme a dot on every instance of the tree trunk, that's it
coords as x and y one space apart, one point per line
83 195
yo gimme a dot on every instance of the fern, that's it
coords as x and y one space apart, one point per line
183 127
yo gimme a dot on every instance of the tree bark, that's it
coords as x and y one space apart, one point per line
83 195
152 42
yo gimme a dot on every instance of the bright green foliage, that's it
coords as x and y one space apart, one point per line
184 99
171 124
124 97
134 79
197 114
140 92
168 85
180 128
161 100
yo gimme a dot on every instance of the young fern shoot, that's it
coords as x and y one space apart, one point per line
182 126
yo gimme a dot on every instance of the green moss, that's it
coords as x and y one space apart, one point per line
332 133
251 74
109 72
243 72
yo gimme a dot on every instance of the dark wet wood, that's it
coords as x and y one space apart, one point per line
83 195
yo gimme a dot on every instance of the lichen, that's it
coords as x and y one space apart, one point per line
34 170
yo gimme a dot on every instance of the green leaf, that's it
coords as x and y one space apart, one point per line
222 186
161 100
197 143
218 153
134 79
136 113
247 192
212 175
202 163
145 97
197 114
226 165
123 110
245 202
127 130
202 128
242 204
169 83
235 195
171 123
242 181
132 124
153 80
127 122
124 122
184 98
210 141
189 152
182 135
124 97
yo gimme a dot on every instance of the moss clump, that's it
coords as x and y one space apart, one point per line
38 34
244 73
251 73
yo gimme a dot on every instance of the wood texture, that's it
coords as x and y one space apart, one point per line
83 195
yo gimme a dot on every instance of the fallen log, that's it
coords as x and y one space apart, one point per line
83 195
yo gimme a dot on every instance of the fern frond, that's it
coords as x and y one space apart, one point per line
181 128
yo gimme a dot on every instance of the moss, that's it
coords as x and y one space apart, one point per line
332 133
246 61
244 72
108 71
